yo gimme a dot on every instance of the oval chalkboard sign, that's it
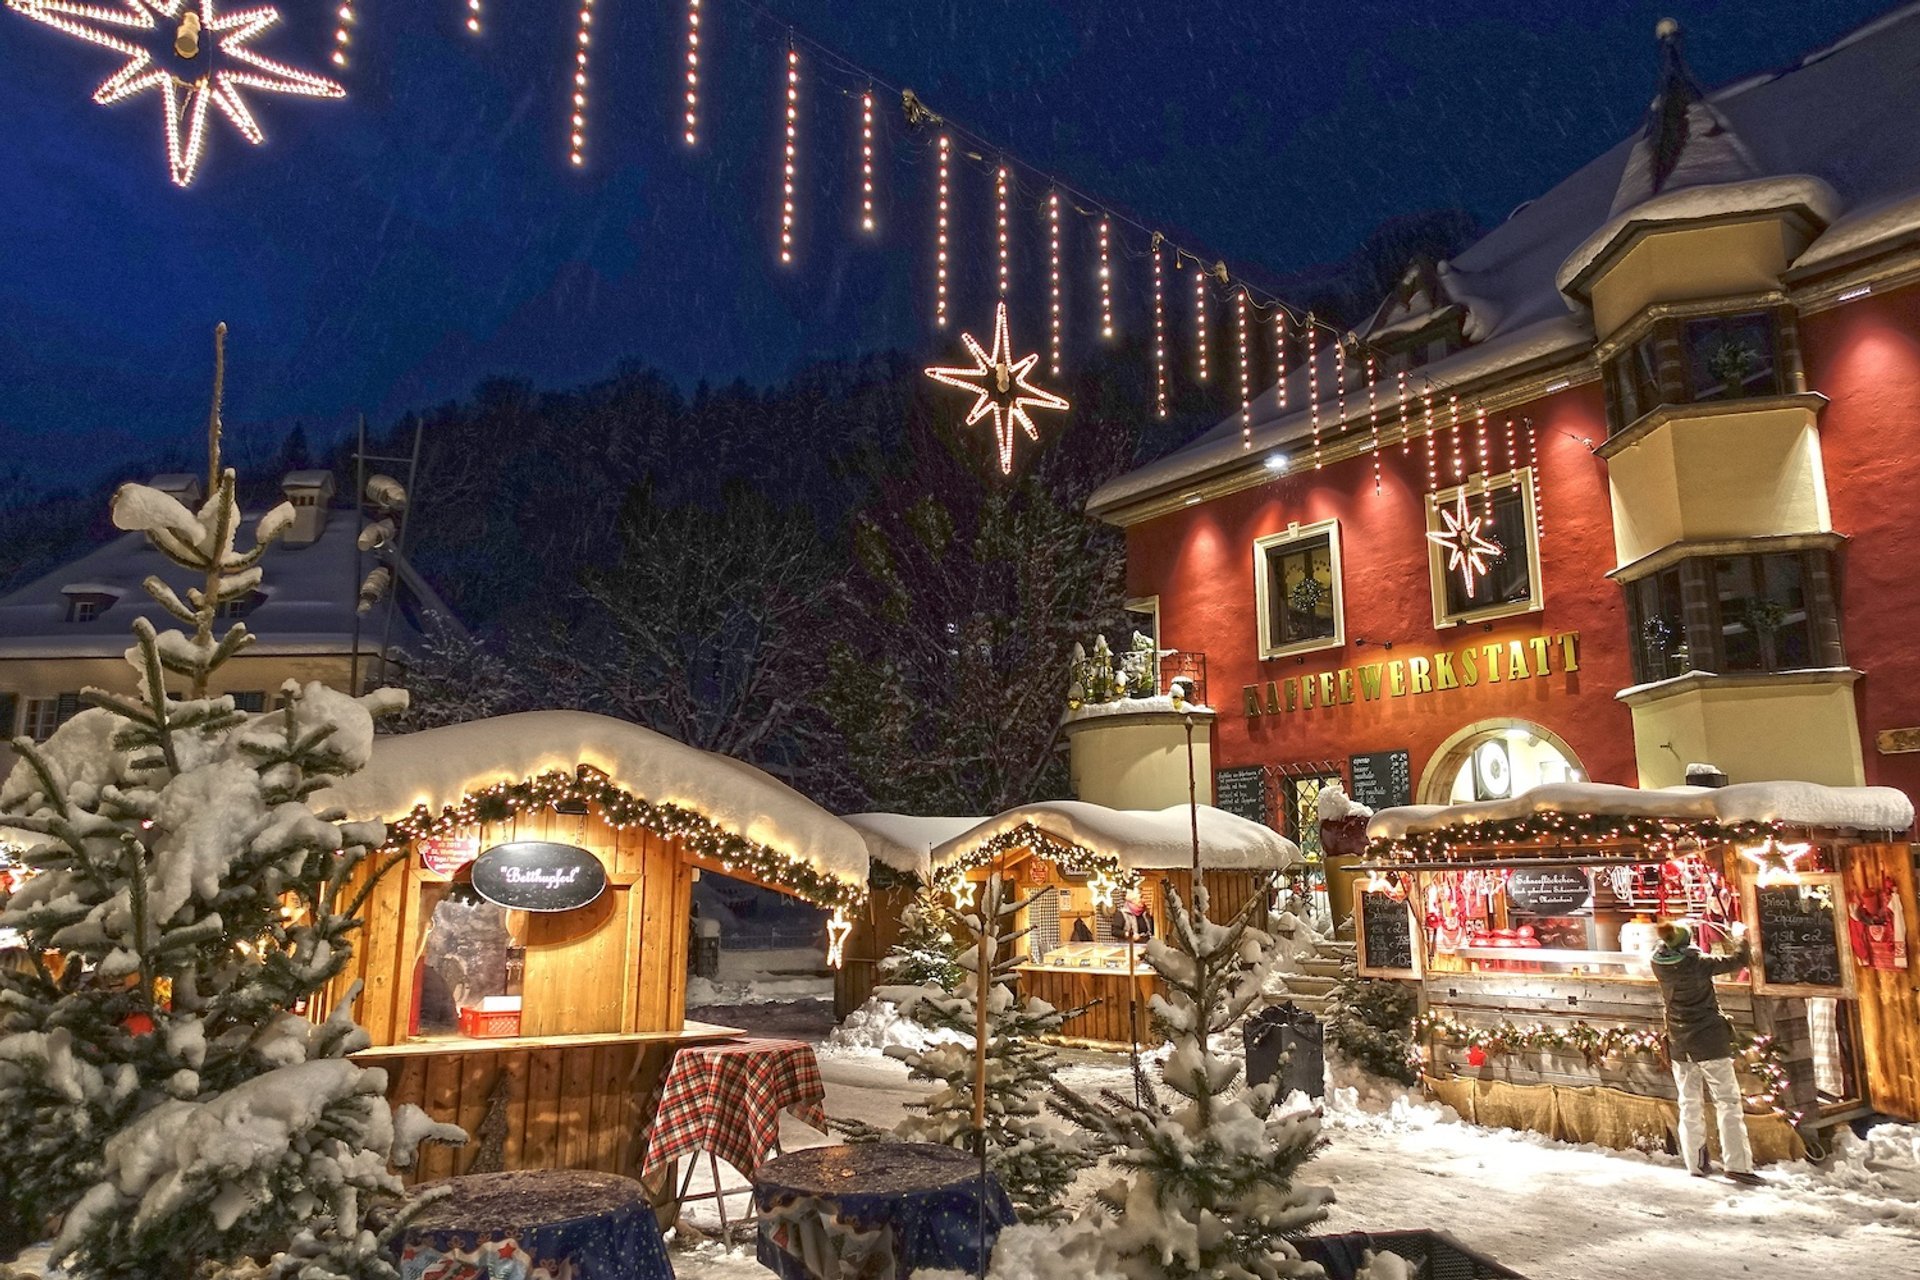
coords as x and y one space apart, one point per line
1551 891
536 875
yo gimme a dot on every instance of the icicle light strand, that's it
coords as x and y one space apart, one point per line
583 44
1433 445
1246 370
1533 473
1159 333
1453 415
866 161
1406 426
473 16
1313 388
693 72
1053 280
793 154
1373 421
1512 458
1200 320
1106 280
940 252
1484 459
346 18
1280 356
1000 224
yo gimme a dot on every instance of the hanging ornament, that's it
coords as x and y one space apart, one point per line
1053 280
866 161
838 929
347 18
183 28
693 72
940 253
793 154
1467 550
1159 333
1106 283
583 44
1000 383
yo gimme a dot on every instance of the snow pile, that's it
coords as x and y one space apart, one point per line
1042 1252
878 1027
1877 1176
1142 839
1162 704
705 992
1333 803
435 768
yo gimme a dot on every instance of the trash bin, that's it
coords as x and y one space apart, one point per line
1284 1044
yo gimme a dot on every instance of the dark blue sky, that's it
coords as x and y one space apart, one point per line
387 251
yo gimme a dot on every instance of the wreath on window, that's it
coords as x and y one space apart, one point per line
1658 634
1308 595
1732 362
1766 616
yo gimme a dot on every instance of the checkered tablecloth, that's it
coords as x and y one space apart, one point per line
727 1099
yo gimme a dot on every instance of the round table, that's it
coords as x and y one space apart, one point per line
874 1211
561 1224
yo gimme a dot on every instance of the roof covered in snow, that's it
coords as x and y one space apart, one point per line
1797 804
1142 839
903 841
436 767
1832 132
308 606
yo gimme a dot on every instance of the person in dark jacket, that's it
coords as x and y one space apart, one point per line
1700 1042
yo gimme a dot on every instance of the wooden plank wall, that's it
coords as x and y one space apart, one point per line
875 931
1889 1008
1106 1021
1227 892
568 1106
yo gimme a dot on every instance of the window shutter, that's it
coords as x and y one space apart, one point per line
67 708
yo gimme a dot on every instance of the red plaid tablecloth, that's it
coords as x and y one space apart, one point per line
727 1099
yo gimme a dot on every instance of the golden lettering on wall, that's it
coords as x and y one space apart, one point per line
1500 662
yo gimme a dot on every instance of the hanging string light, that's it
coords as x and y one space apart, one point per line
1433 446
1053 278
1159 332
1486 464
1006 251
1512 458
1533 473
793 152
583 43
1373 421
866 160
346 17
1313 387
693 72
1406 426
940 258
1453 413
1106 283
1246 370
1200 318
473 16
1340 377
1280 355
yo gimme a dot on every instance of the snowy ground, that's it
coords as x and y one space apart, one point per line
784 992
1550 1211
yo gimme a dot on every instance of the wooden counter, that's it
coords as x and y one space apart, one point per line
568 1102
1106 1022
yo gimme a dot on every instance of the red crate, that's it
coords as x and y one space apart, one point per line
481 1024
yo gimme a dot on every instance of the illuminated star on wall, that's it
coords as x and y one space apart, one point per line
1001 384
1468 550
215 75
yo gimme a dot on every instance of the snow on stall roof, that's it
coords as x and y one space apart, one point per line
903 840
1807 804
1144 839
436 767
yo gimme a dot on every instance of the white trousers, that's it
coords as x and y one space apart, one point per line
1718 1077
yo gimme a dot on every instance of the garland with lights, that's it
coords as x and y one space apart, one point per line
1659 835
622 809
1069 857
1593 1043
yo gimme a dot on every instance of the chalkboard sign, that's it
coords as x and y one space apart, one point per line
1551 891
1242 792
1386 936
1381 779
536 875
1800 939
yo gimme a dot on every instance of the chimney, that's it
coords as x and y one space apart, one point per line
183 487
310 492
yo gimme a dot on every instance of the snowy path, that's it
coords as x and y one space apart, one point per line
1549 1211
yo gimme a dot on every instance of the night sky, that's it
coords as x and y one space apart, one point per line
387 252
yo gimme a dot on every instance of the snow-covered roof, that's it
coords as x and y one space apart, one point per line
903 841
436 767
1796 804
1835 127
1141 839
308 603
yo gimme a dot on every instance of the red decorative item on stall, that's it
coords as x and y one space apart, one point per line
1476 1056
138 1023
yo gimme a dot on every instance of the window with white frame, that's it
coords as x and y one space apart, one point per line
1297 581
1483 549
41 718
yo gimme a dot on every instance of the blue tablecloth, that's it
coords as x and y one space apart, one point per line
874 1211
537 1225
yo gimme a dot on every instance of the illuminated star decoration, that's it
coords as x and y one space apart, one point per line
963 894
1103 887
1777 863
184 102
837 930
1001 383
1468 550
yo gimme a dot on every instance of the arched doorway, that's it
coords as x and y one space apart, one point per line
1494 759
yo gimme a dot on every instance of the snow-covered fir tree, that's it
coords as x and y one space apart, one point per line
1035 1158
163 1107
1208 1189
926 952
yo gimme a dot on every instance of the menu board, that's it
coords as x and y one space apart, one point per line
1551 891
1381 779
1242 792
1386 936
1800 939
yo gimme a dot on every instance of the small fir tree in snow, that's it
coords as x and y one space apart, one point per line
161 1102
926 953
1208 1190
1370 1021
1034 1157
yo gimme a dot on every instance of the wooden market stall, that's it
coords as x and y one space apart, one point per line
1528 925
523 967
1083 861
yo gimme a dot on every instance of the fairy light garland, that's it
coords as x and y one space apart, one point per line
693 72
1280 356
1453 417
1200 320
348 17
621 809
1106 281
1486 464
866 161
1246 370
1000 225
583 43
1373 421
1406 424
1659 837
793 154
1072 858
1313 388
473 16
1433 447
1340 380
1159 332
944 169
1053 281
1533 474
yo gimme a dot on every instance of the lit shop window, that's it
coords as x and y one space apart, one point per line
1297 579
1488 565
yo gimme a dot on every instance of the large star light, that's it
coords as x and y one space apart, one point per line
1001 384
1468 550
221 72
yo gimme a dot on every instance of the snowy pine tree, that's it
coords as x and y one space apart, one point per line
162 1104
926 953
1209 1188
1035 1158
